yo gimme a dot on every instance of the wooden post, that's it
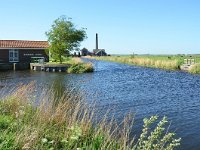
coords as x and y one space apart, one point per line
14 66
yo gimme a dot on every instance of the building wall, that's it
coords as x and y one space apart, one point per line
4 56
24 55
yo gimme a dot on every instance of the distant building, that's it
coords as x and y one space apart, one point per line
85 52
99 52
96 52
21 51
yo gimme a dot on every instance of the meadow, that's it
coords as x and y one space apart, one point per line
68 122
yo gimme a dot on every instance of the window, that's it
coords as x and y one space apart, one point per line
13 55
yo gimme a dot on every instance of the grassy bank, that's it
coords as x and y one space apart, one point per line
76 65
154 62
68 123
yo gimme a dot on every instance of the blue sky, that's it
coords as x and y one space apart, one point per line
124 26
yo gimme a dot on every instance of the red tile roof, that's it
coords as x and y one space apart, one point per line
23 44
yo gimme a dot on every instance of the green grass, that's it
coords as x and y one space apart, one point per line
70 124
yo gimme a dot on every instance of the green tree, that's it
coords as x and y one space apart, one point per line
64 37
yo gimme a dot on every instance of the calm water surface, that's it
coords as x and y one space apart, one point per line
125 88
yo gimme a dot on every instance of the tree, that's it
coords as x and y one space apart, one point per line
64 37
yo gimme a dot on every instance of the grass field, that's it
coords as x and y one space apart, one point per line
164 57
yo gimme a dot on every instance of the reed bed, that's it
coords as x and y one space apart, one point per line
70 123
146 62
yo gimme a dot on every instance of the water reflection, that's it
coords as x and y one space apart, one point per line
58 87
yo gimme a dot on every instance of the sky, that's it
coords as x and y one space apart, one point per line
123 26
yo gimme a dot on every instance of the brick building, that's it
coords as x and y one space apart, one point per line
21 51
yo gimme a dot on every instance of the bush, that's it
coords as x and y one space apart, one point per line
80 68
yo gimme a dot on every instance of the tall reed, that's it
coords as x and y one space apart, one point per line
71 123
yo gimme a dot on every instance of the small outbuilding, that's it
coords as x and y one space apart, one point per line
22 51
86 52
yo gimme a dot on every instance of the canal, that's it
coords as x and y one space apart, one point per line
124 88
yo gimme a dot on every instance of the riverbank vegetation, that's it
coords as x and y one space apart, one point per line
70 123
169 64
80 68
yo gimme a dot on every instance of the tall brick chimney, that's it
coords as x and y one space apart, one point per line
97 41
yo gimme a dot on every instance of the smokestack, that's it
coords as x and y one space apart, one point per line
97 41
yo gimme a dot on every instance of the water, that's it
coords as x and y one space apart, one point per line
125 88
